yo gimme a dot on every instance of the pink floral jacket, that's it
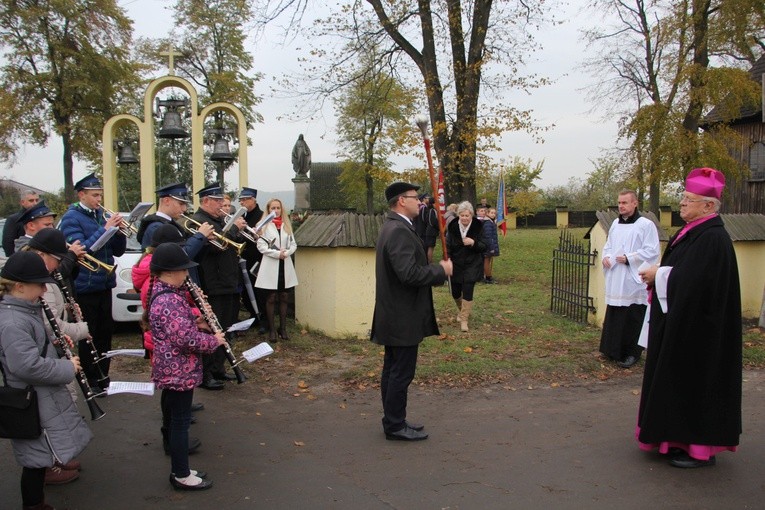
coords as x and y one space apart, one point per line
177 340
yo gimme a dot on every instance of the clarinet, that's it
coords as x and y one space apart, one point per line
62 348
71 304
199 299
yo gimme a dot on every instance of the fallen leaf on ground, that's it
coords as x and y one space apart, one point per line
468 349
299 443
302 384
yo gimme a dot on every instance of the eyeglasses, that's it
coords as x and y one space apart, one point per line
691 200
408 196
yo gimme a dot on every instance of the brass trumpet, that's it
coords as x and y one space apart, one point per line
92 264
126 229
221 242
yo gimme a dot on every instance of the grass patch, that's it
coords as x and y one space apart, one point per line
512 334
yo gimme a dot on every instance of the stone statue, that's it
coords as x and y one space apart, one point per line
301 157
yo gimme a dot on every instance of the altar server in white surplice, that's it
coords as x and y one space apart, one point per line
632 241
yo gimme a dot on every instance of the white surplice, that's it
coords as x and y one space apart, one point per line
639 241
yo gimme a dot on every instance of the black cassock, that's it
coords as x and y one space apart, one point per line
692 380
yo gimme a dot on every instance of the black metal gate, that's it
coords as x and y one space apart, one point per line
571 277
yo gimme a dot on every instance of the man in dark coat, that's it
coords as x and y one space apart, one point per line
13 230
220 278
690 404
248 198
404 312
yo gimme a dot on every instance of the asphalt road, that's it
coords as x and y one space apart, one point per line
489 448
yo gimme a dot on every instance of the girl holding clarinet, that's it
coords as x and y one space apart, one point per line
176 367
27 358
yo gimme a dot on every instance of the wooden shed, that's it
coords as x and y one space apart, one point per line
335 265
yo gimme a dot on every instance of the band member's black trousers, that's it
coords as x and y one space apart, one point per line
226 309
97 312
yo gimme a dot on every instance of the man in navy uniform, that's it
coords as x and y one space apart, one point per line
84 221
220 278
248 198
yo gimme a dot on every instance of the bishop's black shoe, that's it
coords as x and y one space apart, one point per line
685 461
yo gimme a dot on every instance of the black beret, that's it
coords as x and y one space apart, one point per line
170 257
167 233
26 267
49 240
398 188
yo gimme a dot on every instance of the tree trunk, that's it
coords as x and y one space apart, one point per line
697 79
68 168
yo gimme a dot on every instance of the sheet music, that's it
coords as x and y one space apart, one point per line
138 212
101 241
139 388
259 351
264 221
230 222
241 325
126 352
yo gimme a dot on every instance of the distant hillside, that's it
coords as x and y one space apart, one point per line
287 198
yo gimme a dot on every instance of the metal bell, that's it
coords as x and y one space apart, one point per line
126 156
221 152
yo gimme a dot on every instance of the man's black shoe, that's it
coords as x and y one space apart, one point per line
212 384
414 426
629 361
685 461
224 377
406 434
197 406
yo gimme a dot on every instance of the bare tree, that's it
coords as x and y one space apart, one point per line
455 49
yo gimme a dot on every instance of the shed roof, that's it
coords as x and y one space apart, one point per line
606 218
745 227
335 230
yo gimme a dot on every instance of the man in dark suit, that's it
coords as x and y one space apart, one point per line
248 198
220 278
13 229
404 312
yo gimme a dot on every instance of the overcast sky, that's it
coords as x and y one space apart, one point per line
578 137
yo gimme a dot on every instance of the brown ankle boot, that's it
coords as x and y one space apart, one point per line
58 476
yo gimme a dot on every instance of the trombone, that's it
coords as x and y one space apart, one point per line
126 229
221 242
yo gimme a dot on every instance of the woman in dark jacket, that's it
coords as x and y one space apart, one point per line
465 246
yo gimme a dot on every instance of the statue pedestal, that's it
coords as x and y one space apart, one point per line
302 193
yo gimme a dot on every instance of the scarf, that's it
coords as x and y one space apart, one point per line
277 221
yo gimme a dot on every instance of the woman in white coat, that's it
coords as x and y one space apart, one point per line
277 273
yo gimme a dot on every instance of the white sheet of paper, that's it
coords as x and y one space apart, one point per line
140 388
242 325
259 351
138 212
101 241
126 352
